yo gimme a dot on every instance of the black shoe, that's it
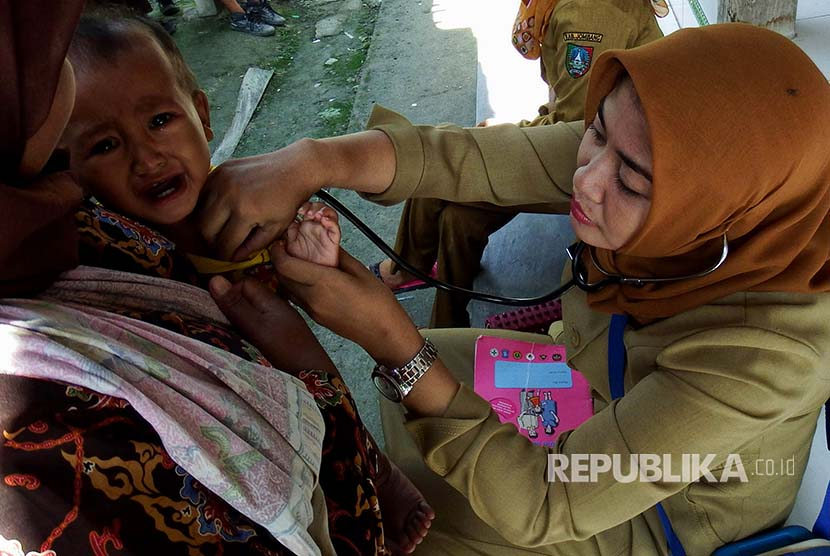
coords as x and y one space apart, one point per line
168 7
169 25
244 24
264 13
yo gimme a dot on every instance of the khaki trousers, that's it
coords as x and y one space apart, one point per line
455 235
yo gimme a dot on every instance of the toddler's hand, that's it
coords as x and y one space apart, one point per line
351 302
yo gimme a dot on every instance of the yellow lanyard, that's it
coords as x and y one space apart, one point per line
205 265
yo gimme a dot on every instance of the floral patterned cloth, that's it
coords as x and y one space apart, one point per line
251 434
84 468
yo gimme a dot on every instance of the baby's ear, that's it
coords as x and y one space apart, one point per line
200 101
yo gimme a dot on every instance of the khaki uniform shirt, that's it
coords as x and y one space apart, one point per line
579 31
746 374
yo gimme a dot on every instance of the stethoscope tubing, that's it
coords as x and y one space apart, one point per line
472 294
579 275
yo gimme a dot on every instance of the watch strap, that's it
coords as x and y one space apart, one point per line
405 376
410 373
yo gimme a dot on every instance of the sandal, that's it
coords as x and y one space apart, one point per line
411 286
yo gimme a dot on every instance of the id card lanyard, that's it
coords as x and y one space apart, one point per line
616 368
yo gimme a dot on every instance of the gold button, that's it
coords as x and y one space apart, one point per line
575 337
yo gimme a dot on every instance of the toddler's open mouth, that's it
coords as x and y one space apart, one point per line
166 187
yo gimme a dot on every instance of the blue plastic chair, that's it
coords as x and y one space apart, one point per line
810 517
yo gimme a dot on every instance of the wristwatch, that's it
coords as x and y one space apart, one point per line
395 384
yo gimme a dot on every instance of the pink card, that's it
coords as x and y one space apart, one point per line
531 386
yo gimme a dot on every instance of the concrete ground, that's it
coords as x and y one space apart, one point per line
422 65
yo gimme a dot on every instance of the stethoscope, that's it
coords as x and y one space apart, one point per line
579 271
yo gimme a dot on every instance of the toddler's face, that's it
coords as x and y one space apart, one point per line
137 141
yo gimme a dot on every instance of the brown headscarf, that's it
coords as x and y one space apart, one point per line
739 119
37 235
531 26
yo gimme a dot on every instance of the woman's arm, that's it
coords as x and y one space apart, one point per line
714 392
352 303
247 203
503 164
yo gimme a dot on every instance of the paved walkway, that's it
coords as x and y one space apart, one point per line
421 63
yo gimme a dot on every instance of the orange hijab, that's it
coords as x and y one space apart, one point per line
531 26
739 119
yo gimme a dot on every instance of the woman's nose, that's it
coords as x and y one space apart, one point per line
590 181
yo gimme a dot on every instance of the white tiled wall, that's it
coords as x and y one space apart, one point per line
813 8
812 28
812 25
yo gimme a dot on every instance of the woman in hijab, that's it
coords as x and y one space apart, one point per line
135 417
566 36
708 337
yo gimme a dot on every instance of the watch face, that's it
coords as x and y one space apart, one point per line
386 387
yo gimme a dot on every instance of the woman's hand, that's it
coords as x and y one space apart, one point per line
249 202
351 302
271 324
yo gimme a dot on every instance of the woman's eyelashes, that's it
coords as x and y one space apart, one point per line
624 189
599 138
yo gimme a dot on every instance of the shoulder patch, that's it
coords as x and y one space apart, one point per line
583 36
578 59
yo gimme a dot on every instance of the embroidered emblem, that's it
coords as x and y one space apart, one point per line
578 60
582 36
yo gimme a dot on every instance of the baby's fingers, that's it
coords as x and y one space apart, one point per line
329 213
